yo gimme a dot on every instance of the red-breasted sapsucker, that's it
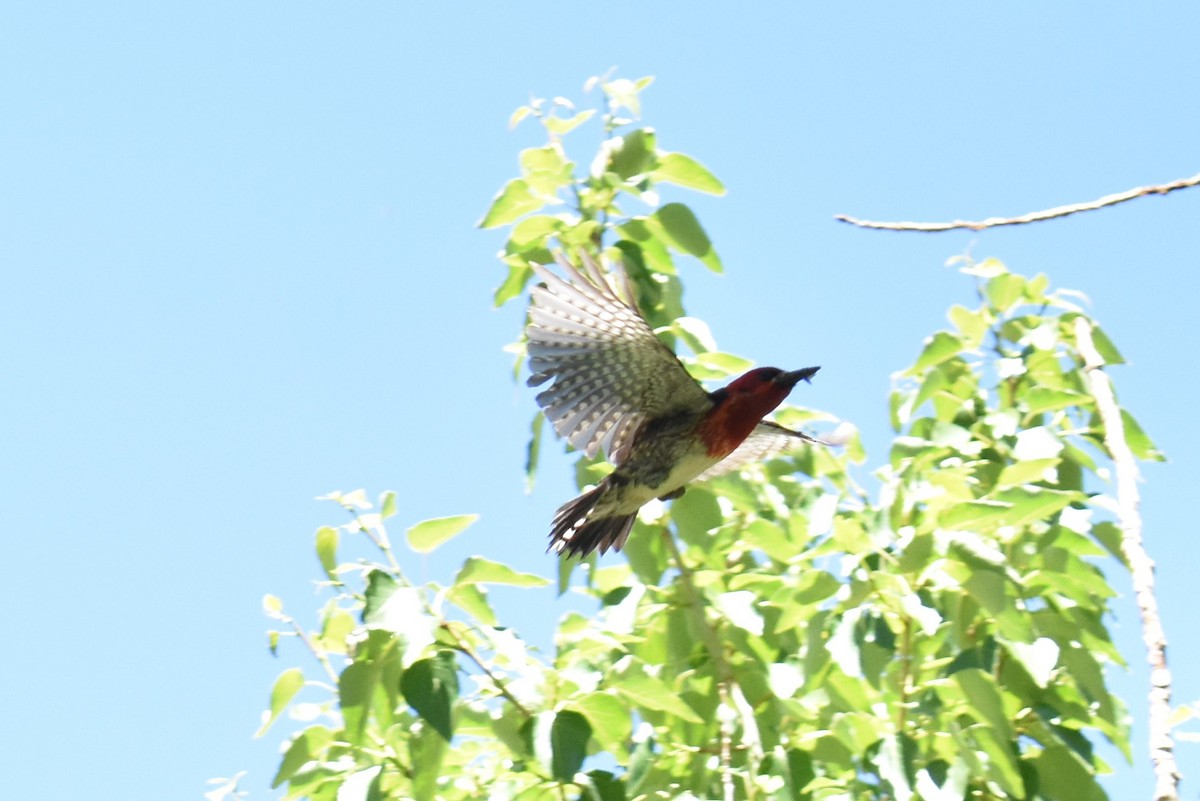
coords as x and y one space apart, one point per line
617 387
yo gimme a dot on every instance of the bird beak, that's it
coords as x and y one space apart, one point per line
790 380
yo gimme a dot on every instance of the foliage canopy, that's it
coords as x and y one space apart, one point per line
782 633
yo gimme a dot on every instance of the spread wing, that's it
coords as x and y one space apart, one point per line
766 441
610 372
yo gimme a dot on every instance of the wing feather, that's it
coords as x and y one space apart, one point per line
610 372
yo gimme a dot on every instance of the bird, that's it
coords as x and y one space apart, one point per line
617 387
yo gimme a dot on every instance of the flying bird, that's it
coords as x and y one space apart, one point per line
617 387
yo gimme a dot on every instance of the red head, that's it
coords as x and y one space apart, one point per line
743 404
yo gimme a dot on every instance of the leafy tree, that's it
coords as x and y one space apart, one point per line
782 633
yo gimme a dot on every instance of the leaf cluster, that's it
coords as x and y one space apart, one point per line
782 633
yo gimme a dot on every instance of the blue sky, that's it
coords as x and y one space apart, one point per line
240 271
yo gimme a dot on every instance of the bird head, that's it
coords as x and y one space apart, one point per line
769 381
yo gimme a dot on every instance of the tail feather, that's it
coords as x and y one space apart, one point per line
572 533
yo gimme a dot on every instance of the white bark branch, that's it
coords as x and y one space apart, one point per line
1129 518
1031 217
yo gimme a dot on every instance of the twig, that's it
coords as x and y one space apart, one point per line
319 653
1031 217
497 682
1162 747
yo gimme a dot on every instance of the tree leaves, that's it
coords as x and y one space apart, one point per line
429 534
940 633
431 687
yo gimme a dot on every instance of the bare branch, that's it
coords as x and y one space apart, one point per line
1162 747
1032 217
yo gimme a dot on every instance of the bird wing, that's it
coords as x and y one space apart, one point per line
610 372
766 441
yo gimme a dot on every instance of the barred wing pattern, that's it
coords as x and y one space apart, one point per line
766 441
610 372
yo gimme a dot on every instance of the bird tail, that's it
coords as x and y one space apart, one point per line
572 533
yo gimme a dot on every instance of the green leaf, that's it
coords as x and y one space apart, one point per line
472 599
559 126
427 750
514 283
1045 399
695 514
306 748
1141 445
726 363
542 159
534 449
285 689
938 348
1005 290
972 325
640 763
511 203
650 693
695 333
634 154
521 113
355 688
429 534
387 504
606 787
1063 777
533 231
430 686
1105 347
1001 764
327 543
380 588
1017 506
569 736
681 170
399 610
685 234
611 723
479 570
1025 472
982 696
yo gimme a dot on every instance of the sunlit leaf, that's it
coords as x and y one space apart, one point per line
479 570
511 203
285 689
676 168
610 720
327 543
308 746
938 348
1004 290
559 126
738 608
429 534
426 752
651 693
472 599
633 154
387 504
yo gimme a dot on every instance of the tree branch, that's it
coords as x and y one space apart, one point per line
1032 217
1162 747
